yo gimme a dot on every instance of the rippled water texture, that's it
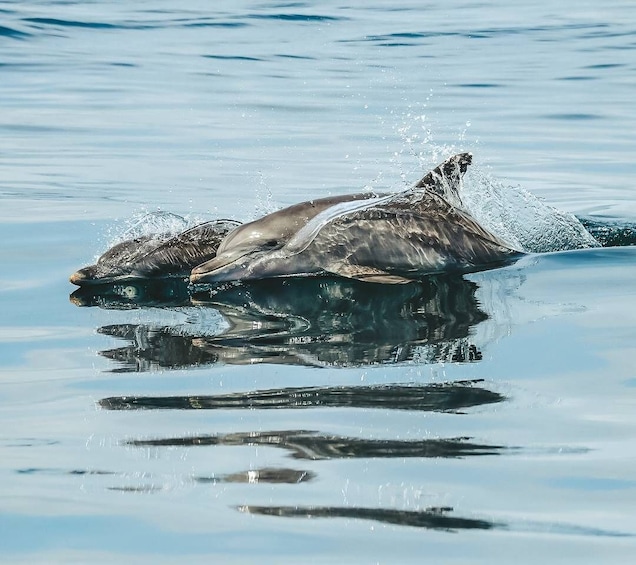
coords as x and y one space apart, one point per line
488 418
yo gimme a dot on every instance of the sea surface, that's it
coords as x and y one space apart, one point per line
489 418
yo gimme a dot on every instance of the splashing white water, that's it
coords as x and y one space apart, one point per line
158 224
264 199
520 218
514 214
152 223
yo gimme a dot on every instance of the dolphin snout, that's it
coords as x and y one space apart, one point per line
219 269
77 278
83 276
198 275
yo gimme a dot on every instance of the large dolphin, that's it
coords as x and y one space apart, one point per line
389 238
153 256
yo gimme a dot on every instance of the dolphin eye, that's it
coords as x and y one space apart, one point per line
271 243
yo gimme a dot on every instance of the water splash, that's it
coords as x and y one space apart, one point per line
520 218
514 214
150 223
264 199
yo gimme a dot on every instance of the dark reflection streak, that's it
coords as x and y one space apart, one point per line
253 476
146 489
28 442
431 518
52 471
311 445
436 397
265 475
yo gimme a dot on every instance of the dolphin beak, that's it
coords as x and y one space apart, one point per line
198 275
82 277
220 269
91 276
77 278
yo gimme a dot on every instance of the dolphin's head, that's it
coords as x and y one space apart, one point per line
243 247
114 264
237 261
259 264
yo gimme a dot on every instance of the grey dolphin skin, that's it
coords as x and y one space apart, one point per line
156 256
386 238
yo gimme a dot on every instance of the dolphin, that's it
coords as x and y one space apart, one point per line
154 256
385 238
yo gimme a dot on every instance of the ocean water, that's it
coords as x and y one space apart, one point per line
476 419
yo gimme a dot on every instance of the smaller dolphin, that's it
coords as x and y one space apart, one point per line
387 238
154 256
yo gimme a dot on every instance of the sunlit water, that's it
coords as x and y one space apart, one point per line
488 418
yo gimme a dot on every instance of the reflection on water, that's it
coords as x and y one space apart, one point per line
168 292
154 348
303 444
304 321
434 397
312 322
340 322
436 518
316 322
252 476
51 471
265 475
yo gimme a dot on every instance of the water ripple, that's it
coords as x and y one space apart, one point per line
306 18
232 58
71 23
13 33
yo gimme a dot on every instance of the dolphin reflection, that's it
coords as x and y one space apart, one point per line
314 446
166 293
435 518
434 397
268 475
312 321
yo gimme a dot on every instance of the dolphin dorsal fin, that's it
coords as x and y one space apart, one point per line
445 179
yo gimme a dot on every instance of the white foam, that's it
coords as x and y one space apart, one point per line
520 218
158 222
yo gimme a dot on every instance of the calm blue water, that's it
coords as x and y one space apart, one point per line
484 419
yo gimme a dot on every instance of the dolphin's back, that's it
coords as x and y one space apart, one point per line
395 239
184 251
